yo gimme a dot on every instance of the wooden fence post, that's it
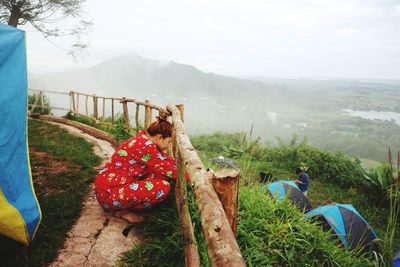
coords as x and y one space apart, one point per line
137 118
95 111
126 114
189 241
77 103
42 101
86 105
147 115
112 110
226 184
37 97
70 101
73 101
104 108
190 245
181 108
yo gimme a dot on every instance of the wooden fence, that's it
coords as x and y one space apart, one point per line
216 195
98 112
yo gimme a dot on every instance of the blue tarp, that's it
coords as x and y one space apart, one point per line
19 209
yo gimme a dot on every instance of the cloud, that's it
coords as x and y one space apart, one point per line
347 31
397 10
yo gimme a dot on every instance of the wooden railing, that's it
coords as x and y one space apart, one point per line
75 104
218 219
148 107
222 247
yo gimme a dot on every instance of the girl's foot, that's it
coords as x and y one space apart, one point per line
129 216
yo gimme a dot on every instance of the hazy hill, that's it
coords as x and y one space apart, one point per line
206 95
135 76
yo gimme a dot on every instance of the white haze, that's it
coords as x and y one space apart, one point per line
300 64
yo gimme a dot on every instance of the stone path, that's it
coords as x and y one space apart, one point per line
96 239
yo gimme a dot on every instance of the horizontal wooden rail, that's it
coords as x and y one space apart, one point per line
104 97
32 105
153 106
50 92
222 247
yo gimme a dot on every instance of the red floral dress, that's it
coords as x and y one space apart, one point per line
136 177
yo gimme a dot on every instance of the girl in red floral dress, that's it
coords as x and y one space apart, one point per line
136 176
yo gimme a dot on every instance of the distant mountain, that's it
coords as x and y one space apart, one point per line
204 94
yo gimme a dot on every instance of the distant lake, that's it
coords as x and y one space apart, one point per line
375 115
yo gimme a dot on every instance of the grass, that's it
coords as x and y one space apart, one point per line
163 244
61 145
269 234
276 234
59 189
393 192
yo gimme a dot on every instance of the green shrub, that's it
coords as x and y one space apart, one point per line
216 142
380 177
82 119
329 167
42 110
120 132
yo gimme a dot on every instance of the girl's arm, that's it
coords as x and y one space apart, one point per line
157 161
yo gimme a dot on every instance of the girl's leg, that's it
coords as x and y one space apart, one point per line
148 192
128 216
136 195
106 202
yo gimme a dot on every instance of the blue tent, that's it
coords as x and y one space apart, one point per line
348 225
282 189
19 209
397 258
278 188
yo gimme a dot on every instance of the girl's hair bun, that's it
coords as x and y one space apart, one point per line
162 116
161 126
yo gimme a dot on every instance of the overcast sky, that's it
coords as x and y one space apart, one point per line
286 38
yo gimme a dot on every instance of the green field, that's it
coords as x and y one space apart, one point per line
269 233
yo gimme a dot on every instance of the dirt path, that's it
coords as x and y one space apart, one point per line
96 239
